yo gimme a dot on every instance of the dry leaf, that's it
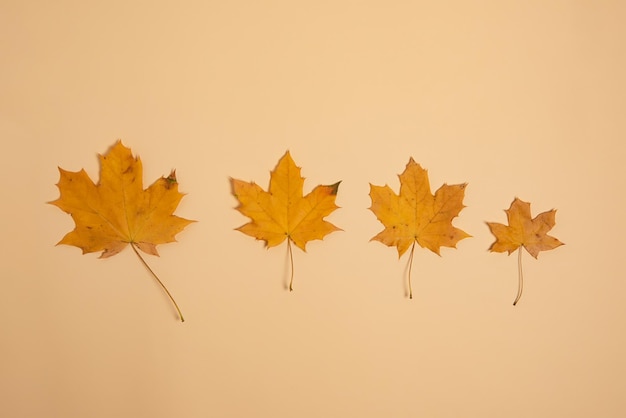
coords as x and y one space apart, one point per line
523 231
283 212
416 215
118 211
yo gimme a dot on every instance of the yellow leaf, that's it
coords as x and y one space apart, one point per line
523 231
283 212
416 215
118 211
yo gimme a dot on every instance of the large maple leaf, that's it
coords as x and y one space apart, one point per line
118 211
283 212
523 231
416 215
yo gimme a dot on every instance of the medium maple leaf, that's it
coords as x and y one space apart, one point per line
523 231
118 211
283 212
416 215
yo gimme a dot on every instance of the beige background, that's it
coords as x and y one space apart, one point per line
521 98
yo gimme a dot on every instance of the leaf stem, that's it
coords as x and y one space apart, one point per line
520 286
291 259
180 314
410 267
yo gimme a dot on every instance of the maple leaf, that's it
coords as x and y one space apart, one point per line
523 231
118 211
283 213
416 215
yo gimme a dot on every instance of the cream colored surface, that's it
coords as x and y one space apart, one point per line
517 98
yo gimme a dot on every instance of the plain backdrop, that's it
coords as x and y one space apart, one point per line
516 98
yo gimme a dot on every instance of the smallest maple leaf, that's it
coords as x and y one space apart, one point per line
524 231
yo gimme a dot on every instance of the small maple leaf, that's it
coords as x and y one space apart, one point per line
283 212
523 231
416 215
118 211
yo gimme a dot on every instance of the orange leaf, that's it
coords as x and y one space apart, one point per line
283 212
416 215
524 231
118 211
